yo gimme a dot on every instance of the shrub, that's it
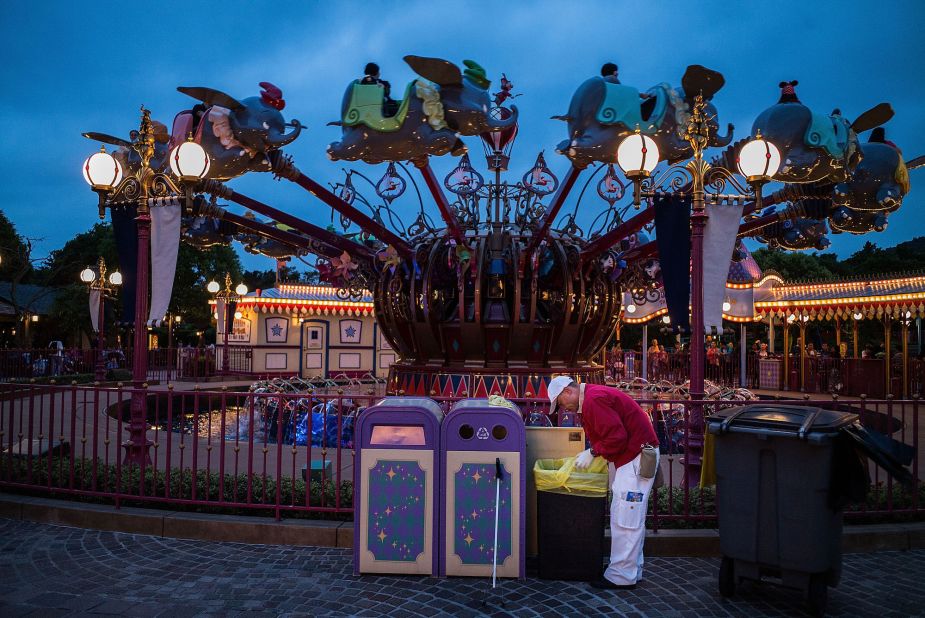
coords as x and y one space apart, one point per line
226 492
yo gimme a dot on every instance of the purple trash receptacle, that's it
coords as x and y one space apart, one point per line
396 487
473 435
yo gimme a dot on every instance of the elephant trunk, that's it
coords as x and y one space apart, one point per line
277 139
505 123
723 140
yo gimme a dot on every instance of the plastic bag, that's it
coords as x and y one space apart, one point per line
561 476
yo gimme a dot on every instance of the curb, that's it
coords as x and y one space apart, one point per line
701 543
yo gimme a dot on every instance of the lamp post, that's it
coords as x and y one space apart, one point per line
758 161
229 299
189 164
98 283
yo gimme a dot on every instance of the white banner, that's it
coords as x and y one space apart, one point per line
95 309
719 237
165 242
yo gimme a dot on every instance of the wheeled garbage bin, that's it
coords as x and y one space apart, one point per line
397 487
570 519
477 438
773 477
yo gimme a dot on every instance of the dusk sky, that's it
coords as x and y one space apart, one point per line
70 67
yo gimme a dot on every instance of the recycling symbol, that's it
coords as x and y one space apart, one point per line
482 433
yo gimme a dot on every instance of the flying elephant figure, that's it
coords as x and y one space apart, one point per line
881 179
205 232
815 147
845 219
237 135
603 112
128 157
256 244
796 234
430 118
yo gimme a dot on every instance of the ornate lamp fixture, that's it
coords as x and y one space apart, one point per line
100 288
229 298
637 156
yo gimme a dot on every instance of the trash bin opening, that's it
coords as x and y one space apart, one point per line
466 432
397 435
499 432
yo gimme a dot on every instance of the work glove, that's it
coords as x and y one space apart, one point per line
583 459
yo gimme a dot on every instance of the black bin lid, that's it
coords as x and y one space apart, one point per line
779 418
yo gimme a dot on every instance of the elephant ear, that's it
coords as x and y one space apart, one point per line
441 72
915 163
211 97
107 139
874 117
701 80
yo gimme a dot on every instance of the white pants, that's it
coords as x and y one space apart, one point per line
627 523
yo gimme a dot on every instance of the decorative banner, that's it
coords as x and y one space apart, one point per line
672 229
240 331
350 331
126 233
95 309
277 330
719 239
165 242
220 321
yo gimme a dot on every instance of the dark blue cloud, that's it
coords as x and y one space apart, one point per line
73 67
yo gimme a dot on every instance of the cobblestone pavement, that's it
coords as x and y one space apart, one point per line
54 571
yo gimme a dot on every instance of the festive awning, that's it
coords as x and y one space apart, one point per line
298 299
900 297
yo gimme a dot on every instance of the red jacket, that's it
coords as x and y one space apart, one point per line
616 427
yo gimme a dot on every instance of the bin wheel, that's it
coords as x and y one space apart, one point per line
818 593
727 577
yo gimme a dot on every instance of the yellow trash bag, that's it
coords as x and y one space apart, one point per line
560 476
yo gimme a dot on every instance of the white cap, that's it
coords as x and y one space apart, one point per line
556 386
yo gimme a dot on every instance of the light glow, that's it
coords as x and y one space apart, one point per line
637 154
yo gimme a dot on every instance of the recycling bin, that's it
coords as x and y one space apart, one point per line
476 439
774 466
397 487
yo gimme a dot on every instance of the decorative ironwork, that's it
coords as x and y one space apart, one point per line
611 188
464 180
391 186
540 180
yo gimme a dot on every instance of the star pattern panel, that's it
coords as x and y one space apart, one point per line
474 517
397 492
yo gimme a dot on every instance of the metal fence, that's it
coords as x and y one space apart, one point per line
291 454
811 374
164 364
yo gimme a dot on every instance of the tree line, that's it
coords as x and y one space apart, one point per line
69 320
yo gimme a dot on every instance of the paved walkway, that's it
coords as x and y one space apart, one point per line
54 571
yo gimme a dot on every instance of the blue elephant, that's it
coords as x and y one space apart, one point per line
237 135
433 113
814 147
796 234
205 232
603 112
879 182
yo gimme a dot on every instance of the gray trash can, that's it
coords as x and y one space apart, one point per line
773 475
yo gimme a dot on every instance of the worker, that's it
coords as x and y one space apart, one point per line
617 430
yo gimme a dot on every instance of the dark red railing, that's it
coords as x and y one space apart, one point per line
290 453
164 364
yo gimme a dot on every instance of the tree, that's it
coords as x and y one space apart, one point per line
792 265
15 253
